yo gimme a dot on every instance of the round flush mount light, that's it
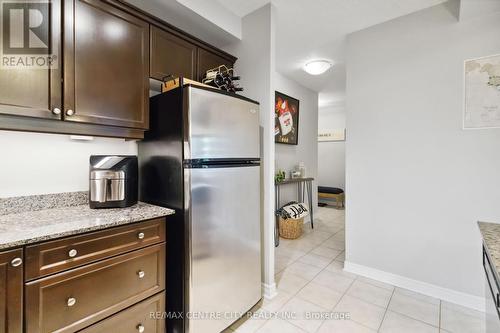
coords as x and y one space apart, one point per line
317 67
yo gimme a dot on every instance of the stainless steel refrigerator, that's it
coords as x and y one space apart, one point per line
201 157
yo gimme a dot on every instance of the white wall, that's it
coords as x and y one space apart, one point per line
331 154
417 182
34 163
255 64
289 156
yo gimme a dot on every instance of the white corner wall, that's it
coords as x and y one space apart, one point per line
34 163
331 154
289 156
417 182
256 63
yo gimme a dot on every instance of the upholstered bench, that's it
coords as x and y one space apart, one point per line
325 192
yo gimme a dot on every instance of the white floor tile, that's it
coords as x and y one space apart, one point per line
303 270
334 244
364 313
338 267
290 283
279 326
326 252
397 323
302 310
333 281
415 308
249 324
273 305
376 283
343 326
340 257
320 295
315 260
370 293
290 253
457 319
418 296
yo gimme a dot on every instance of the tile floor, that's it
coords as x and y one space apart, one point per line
312 284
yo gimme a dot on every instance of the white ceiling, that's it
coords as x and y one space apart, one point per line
306 29
311 29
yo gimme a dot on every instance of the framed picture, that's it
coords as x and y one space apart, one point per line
332 135
286 119
482 93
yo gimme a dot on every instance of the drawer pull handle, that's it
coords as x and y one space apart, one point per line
141 328
16 262
72 253
141 235
141 274
71 301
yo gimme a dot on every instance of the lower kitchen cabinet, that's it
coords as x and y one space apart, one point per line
11 291
103 281
135 319
72 300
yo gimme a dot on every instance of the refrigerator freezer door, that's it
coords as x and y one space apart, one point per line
224 263
219 126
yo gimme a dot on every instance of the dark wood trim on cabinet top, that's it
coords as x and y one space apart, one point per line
169 28
29 124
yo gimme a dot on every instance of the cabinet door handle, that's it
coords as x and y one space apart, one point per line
141 328
56 111
71 301
141 235
141 274
16 262
72 253
70 112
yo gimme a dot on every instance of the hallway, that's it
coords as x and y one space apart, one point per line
311 282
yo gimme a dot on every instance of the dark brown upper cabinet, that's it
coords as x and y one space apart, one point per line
208 60
11 291
106 65
34 91
171 55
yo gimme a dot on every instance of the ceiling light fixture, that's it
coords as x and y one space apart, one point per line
317 67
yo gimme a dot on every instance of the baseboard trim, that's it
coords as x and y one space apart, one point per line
445 294
269 290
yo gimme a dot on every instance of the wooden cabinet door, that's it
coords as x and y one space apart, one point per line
106 65
29 90
208 60
11 291
171 55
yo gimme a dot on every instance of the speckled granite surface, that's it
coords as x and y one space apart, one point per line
45 201
26 220
491 239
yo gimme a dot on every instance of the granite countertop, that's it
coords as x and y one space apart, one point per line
26 220
491 240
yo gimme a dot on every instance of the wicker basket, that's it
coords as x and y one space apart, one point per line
291 228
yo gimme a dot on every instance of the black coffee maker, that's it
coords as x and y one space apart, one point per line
113 181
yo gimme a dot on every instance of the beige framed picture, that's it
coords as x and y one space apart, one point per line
332 135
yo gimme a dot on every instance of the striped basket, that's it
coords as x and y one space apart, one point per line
291 228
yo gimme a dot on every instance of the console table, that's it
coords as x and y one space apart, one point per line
303 185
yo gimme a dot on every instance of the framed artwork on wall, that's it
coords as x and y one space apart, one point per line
286 119
332 135
482 93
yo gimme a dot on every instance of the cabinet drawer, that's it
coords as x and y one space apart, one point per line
59 255
135 319
73 300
